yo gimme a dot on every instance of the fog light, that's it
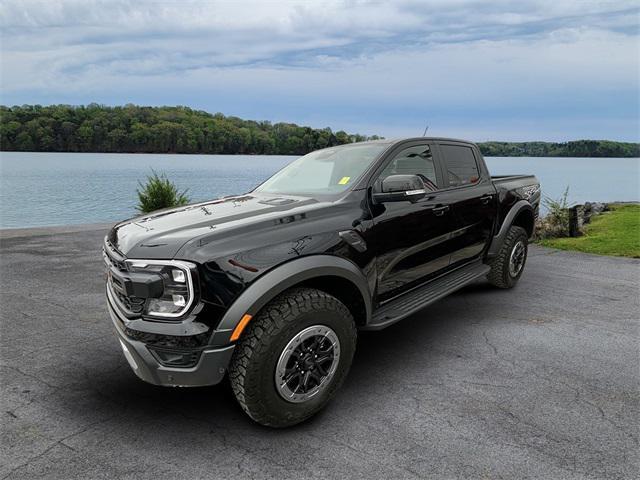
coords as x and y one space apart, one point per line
176 358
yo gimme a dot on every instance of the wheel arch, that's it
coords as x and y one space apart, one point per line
526 220
344 290
521 215
334 275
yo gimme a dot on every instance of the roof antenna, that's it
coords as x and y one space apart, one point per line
425 131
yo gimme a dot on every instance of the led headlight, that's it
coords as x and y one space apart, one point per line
178 292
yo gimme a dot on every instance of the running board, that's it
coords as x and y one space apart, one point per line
420 297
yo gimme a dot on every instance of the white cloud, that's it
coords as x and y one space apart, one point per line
500 58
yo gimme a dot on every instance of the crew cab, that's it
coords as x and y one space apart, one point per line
271 287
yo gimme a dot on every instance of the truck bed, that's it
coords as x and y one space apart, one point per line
528 187
512 182
508 178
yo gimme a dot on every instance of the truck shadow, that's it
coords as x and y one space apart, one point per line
215 407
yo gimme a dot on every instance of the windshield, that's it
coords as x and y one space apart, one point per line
327 171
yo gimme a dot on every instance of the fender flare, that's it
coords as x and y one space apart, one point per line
276 281
498 239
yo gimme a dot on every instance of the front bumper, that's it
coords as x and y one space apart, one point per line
209 370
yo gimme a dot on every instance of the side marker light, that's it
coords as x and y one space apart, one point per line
244 321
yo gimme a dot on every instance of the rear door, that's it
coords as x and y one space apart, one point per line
472 198
411 241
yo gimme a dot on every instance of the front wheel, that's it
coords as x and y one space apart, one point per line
507 267
293 358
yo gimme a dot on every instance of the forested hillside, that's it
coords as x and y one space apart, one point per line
135 129
97 128
578 148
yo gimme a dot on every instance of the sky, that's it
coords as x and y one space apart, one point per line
551 70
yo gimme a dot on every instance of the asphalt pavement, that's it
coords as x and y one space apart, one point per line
541 381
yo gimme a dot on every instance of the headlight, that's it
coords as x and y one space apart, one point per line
178 293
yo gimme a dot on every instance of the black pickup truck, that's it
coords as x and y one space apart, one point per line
272 286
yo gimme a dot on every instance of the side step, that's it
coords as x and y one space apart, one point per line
420 297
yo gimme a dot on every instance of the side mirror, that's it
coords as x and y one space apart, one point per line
400 188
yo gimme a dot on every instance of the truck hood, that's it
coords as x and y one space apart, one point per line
161 234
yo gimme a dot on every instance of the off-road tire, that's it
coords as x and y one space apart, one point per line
253 365
500 275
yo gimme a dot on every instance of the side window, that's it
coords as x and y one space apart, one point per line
461 165
416 160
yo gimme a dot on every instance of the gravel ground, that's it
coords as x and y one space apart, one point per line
541 381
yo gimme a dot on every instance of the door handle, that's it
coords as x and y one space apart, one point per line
439 211
486 199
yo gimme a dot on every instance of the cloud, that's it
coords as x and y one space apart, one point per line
378 66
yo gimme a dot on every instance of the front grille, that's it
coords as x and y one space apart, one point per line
113 257
130 306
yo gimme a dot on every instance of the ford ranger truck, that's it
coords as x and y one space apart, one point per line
271 287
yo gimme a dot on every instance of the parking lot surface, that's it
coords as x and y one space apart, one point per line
541 381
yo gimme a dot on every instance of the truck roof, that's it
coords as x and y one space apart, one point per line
390 141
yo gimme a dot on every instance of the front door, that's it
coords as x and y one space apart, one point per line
411 241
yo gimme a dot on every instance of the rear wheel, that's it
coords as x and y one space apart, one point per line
507 267
294 356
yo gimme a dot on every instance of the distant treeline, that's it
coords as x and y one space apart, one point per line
135 129
578 148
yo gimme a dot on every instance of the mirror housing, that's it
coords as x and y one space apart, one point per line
400 188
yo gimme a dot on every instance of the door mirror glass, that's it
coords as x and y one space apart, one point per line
400 188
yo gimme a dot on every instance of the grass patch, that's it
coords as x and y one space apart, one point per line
611 233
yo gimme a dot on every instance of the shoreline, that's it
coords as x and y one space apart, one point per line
43 230
6 233
272 154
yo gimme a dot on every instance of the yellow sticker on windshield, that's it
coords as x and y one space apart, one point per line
344 180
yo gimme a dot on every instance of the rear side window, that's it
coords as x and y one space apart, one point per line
461 165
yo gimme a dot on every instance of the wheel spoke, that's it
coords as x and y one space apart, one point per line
305 380
326 350
293 375
316 377
324 358
322 370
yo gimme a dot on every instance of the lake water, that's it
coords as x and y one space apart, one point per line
39 189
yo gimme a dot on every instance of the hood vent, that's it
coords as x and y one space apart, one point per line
277 201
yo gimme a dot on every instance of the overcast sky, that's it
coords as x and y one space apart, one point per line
500 70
